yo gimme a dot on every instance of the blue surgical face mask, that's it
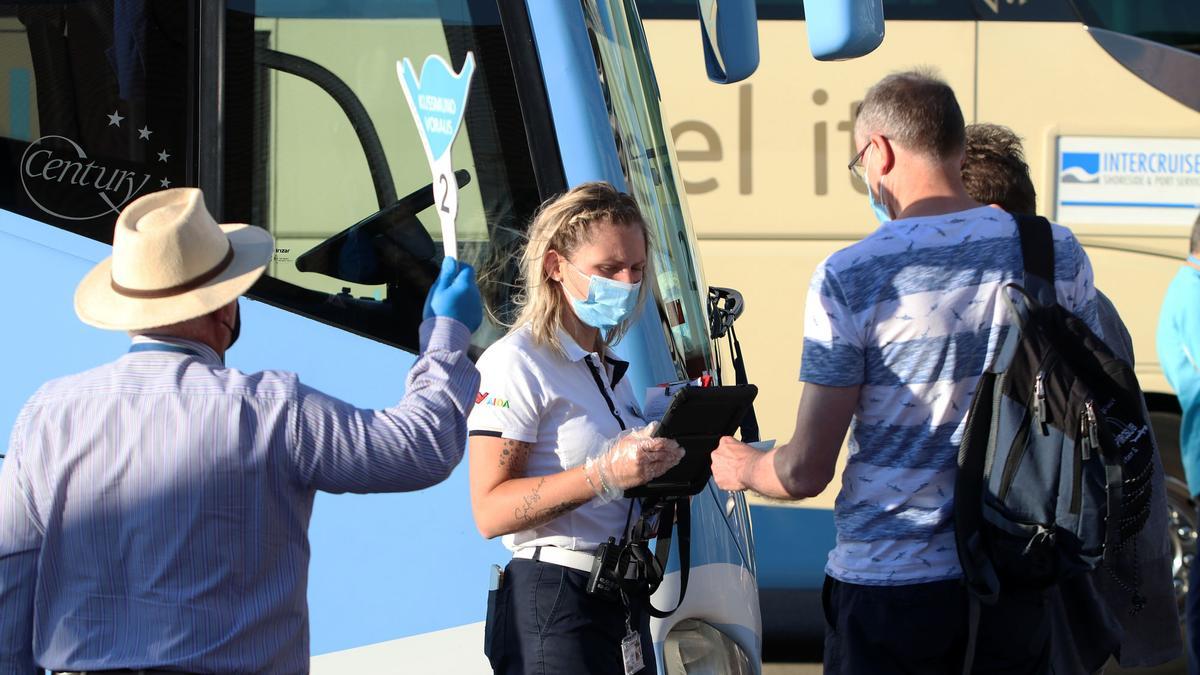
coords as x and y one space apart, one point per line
608 303
877 205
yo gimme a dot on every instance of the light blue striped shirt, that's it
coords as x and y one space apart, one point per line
154 510
913 314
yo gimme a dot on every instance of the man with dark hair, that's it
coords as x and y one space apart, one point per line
995 172
1090 614
899 327
1178 344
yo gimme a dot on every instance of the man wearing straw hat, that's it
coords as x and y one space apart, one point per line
153 511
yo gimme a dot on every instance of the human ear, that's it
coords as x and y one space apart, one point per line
887 155
552 265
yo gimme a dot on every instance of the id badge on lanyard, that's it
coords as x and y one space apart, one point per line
631 646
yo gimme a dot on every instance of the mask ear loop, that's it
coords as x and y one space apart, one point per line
867 180
867 169
588 293
867 173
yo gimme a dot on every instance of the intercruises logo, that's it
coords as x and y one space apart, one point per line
53 162
1080 167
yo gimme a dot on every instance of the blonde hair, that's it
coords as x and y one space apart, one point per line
563 224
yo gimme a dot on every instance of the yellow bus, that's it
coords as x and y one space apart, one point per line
1101 91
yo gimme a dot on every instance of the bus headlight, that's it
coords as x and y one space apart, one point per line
696 648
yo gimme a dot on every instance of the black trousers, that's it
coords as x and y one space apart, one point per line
922 628
542 621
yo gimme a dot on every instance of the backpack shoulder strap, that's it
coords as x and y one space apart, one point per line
1037 254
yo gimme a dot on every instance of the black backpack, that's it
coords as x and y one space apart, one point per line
1055 462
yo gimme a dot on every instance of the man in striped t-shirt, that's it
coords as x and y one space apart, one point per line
898 329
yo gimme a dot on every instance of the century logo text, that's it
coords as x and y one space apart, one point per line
52 162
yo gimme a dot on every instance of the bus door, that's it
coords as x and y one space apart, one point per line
290 116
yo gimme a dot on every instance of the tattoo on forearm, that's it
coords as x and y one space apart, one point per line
513 455
524 512
551 512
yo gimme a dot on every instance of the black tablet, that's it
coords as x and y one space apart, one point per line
697 418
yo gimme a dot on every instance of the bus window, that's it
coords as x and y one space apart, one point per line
1167 21
320 148
97 99
794 9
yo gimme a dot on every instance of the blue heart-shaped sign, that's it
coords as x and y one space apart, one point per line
437 99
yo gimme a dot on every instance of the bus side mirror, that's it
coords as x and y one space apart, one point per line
843 29
729 29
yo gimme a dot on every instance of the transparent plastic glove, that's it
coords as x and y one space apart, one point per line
632 458
455 295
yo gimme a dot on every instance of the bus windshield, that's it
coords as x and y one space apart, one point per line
335 166
650 167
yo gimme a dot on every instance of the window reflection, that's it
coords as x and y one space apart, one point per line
339 175
95 110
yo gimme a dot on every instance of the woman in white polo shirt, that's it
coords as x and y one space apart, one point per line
556 435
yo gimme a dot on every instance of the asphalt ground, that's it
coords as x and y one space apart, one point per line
1178 667
782 663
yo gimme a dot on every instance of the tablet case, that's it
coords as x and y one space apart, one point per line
697 418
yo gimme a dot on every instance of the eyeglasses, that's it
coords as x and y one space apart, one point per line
856 168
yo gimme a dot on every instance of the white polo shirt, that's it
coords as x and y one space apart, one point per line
566 408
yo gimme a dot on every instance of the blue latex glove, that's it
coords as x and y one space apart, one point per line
455 295
444 277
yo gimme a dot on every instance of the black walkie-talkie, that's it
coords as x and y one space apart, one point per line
604 569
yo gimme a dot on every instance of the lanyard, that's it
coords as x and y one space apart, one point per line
612 407
162 347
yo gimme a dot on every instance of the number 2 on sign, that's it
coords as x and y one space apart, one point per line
444 184
445 193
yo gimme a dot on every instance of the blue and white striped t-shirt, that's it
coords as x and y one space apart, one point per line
913 314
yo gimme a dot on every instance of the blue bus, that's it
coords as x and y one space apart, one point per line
289 115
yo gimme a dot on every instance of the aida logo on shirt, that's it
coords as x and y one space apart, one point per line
482 398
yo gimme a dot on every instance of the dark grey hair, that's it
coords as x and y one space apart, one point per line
917 110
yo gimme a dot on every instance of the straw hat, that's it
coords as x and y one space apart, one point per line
171 262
